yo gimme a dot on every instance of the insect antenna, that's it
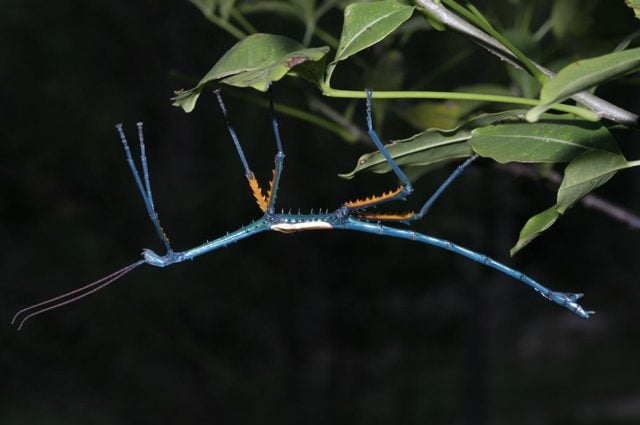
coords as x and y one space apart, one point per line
71 296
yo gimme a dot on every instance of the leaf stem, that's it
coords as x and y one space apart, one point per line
360 94
244 23
225 25
326 37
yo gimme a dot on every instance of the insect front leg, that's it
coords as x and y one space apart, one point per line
145 189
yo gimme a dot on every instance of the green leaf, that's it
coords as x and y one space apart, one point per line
534 227
186 99
433 147
430 147
583 175
586 173
557 138
256 61
581 75
635 5
367 23
312 71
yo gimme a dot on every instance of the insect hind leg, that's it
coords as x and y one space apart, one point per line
412 216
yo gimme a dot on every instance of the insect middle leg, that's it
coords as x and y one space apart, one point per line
404 189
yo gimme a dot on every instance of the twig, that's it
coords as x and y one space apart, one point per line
598 105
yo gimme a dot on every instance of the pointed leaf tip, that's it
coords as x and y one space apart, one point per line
186 99
584 74
365 24
534 227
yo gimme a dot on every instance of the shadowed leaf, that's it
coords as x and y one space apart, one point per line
586 173
583 175
432 147
555 139
581 75
534 227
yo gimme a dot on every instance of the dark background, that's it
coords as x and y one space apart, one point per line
319 327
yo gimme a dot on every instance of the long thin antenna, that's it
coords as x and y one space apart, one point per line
63 299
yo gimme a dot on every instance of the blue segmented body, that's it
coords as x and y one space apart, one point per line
353 215
338 220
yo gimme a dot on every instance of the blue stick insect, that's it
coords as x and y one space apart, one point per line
353 215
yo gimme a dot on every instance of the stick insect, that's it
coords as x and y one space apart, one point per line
358 215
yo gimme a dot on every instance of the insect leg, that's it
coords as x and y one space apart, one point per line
411 216
257 191
456 173
279 158
405 187
145 189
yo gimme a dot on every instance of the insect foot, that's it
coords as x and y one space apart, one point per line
156 260
568 300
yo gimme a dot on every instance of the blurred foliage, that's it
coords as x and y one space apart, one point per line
315 328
